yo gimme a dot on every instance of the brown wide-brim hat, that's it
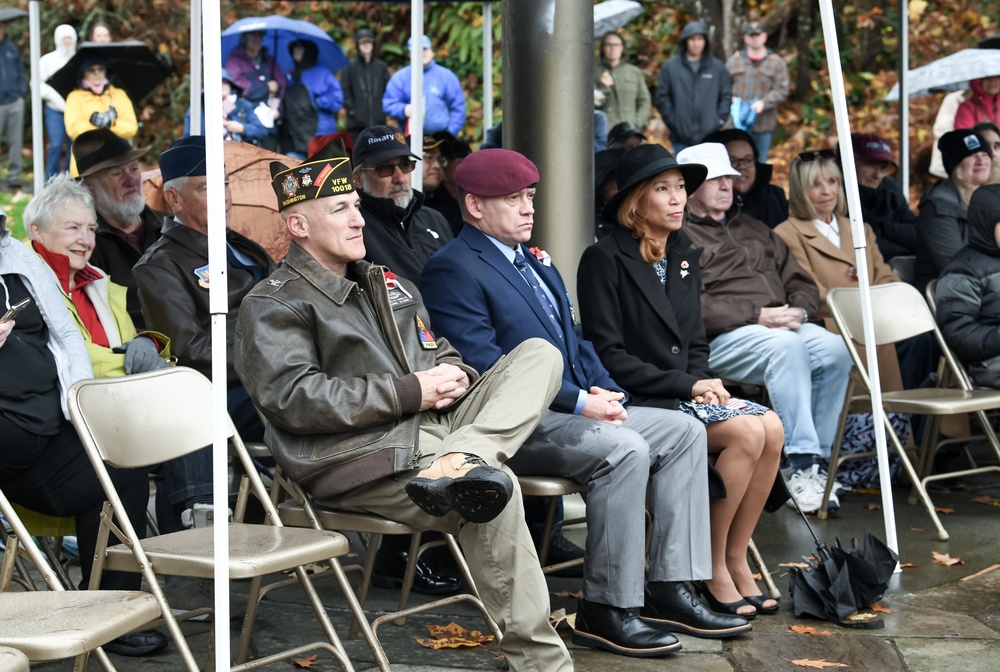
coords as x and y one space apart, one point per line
643 162
101 148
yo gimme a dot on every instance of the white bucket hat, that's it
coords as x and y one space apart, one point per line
712 155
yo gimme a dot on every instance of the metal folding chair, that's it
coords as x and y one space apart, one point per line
57 623
553 488
300 511
899 313
140 420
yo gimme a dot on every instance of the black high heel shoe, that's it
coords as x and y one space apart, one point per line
724 607
758 602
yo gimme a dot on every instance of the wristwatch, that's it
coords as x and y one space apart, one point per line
805 315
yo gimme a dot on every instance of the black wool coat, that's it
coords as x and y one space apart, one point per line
650 338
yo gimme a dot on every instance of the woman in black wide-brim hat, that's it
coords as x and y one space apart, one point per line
640 302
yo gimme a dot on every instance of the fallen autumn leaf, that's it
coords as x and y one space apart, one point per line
944 509
817 664
305 663
452 636
872 506
807 630
945 559
981 572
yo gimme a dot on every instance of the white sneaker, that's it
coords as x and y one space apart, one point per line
807 487
804 486
834 501
200 515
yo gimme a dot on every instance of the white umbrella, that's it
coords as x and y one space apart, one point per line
613 14
950 73
839 97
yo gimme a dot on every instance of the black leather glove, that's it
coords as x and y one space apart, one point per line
141 356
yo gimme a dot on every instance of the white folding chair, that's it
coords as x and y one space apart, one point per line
58 623
140 420
899 312
12 660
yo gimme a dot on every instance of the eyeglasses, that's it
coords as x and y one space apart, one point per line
431 158
744 162
387 169
827 154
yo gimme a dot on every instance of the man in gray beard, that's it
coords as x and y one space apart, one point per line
126 226
399 232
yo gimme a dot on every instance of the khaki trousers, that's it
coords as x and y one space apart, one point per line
492 421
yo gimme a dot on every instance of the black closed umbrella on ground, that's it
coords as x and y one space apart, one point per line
132 67
838 581
870 568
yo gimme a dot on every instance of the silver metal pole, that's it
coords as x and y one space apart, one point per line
219 307
548 115
37 126
858 232
195 76
487 67
904 99
417 88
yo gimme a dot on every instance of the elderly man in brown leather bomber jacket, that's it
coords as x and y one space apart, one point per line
172 279
370 412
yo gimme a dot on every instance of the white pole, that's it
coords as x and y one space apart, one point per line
858 232
417 88
37 134
904 99
219 307
487 67
195 77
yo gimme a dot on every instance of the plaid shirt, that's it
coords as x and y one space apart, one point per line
766 79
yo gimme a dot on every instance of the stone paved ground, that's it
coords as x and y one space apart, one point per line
939 623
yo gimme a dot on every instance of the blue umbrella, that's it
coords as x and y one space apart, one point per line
279 32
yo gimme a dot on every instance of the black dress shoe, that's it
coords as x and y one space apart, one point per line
620 631
562 550
673 606
138 643
479 496
389 569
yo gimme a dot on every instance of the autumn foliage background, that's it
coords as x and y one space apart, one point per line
868 31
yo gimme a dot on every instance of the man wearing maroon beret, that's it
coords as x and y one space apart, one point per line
487 293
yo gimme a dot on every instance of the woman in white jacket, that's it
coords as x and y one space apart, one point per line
55 104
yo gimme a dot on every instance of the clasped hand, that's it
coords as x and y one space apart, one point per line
781 317
710 391
605 406
441 386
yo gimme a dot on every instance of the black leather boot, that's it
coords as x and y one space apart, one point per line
674 606
620 631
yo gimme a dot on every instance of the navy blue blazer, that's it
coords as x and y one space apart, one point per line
481 303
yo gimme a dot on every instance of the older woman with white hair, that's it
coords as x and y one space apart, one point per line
62 224
42 464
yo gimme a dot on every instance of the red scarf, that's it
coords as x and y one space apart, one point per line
84 306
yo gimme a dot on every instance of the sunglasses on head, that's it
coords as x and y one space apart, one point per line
387 169
813 155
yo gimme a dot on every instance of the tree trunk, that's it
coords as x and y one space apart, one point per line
804 33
